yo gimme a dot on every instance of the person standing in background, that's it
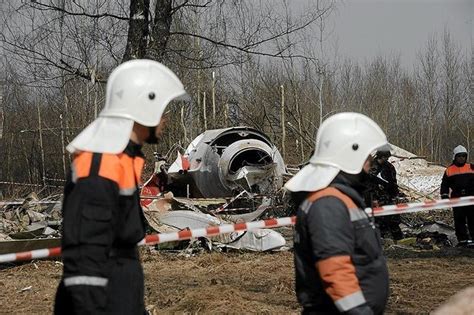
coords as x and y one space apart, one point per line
458 181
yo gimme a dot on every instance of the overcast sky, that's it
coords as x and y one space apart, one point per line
363 29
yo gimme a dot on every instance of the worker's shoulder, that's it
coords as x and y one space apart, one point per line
107 165
323 204
87 159
453 169
326 212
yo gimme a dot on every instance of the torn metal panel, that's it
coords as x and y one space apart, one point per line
183 219
200 202
248 176
248 217
225 161
256 240
154 208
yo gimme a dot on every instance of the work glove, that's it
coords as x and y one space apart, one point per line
363 309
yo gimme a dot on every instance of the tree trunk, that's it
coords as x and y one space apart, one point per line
160 32
138 29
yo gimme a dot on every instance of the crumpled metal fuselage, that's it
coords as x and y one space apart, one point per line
223 162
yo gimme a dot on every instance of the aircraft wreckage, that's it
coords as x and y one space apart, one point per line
224 175
248 172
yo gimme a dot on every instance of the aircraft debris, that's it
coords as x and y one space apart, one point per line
25 224
220 162
226 175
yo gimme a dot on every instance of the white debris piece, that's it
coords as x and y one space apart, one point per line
415 173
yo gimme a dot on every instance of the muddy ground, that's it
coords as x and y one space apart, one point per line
244 282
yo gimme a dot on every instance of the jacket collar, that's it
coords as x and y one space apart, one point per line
133 150
347 185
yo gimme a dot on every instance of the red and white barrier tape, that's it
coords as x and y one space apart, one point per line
216 230
271 223
34 254
421 206
164 237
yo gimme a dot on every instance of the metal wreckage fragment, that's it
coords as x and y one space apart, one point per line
29 224
223 162
224 175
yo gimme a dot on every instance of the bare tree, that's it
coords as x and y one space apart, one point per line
428 86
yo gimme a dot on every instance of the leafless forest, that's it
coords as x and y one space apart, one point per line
258 63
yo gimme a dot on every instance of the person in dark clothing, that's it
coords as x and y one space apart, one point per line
102 217
383 190
339 264
458 181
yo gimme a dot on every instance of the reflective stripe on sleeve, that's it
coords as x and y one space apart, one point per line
305 206
85 280
350 301
339 276
357 214
128 191
73 174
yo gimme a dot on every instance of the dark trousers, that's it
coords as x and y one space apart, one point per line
123 293
464 222
126 289
390 225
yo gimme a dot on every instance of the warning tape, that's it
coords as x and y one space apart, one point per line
421 206
164 237
240 227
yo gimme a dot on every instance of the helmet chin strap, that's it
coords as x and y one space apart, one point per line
152 139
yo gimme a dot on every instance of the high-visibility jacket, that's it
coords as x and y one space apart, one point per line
460 179
102 224
338 255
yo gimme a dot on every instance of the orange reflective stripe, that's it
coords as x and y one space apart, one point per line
127 179
110 167
456 170
331 191
138 164
339 277
81 165
120 168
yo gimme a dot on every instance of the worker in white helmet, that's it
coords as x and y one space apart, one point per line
102 217
458 181
339 263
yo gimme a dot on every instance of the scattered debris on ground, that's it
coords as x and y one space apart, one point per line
30 218
244 282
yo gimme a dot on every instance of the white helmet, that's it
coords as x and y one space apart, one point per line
459 149
343 143
140 90
137 91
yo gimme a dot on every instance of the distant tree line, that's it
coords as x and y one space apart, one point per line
243 63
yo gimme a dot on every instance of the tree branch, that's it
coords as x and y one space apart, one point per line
185 4
46 7
243 49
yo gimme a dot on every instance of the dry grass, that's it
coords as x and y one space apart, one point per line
241 283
